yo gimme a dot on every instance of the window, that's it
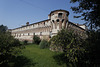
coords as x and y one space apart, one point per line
60 15
28 34
57 20
52 14
33 33
62 20
50 34
44 23
52 20
40 33
19 35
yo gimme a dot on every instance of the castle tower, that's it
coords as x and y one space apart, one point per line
59 20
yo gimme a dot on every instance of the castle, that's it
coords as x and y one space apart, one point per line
46 29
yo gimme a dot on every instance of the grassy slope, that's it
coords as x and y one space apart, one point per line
42 57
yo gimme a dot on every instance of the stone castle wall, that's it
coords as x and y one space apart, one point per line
46 29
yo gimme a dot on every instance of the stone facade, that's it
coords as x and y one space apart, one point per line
46 29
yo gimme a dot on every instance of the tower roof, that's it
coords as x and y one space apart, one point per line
59 10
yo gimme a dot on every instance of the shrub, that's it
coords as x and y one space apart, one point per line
25 42
44 44
70 43
36 39
9 47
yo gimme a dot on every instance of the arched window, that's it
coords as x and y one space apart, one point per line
60 15
57 20
52 20
62 20
52 14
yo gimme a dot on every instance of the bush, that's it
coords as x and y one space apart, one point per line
25 42
9 47
36 39
44 44
70 43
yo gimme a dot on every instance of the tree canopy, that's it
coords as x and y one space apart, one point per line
90 12
80 52
70 43
9 47
3 28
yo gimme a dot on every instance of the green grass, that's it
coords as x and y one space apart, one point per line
40 57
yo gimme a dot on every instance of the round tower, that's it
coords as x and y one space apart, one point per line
59 19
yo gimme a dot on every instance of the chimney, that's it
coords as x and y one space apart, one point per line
27 23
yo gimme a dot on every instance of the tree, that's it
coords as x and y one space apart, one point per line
92 46
70 43
3 28
9 47
36 39
90 11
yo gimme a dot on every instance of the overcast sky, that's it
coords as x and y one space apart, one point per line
15 13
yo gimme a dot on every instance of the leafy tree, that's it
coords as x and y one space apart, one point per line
70 43
36 39
90 11
82 53
3 28
9 47
92 46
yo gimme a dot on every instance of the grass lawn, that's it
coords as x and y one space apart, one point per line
39 57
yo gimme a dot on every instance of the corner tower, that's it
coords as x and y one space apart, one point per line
59 20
